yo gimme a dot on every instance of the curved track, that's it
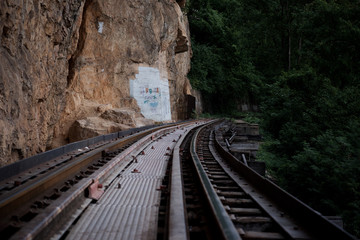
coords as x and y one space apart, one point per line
238 203
206 193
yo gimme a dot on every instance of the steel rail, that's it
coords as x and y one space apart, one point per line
226 225
296 219
177 219
55 219
13 169
311 220
23 195
177 222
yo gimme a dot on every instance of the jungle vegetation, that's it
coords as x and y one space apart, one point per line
299 62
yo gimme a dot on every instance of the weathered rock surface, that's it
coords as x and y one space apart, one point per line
92 127
111 120
116 38
126 117
64 61
37 38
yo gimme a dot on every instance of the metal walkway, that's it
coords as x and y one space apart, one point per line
129 207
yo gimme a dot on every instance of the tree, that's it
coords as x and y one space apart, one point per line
299 60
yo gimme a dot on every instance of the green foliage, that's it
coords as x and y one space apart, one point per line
249 117
315 153
299 60
220 70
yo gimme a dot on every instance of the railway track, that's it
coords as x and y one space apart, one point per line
203 192
241 214
31 200
243 205
200 224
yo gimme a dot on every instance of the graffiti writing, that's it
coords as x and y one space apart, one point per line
152 94
151 97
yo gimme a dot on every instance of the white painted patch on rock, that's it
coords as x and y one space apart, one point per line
100 27
152 94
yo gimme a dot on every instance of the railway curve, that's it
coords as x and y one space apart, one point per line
177 181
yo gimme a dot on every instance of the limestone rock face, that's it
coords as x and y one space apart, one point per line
62 62
120 116
116 39
92 127
111 120
37 39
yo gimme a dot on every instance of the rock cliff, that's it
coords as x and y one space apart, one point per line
95 65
